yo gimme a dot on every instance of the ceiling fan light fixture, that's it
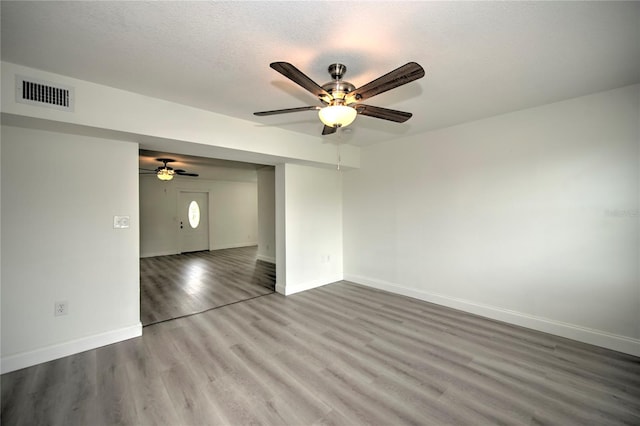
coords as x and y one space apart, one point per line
342 99
337 115
165 174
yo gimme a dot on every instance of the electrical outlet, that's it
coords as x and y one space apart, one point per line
60 308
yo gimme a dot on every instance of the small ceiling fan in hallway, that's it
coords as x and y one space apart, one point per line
166 173
341 99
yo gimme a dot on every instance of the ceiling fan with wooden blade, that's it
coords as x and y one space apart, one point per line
341 99
287 110
165 172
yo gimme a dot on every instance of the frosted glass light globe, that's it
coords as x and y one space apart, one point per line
337 115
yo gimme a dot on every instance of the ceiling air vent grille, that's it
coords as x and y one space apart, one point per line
43 93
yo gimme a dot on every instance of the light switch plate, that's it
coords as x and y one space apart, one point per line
120 222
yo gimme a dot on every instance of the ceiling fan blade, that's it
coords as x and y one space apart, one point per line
183 173
298 77
284 111
327 130
383 113
403 75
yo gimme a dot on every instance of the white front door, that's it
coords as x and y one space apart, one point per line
193 213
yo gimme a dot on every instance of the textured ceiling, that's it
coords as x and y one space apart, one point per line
481 58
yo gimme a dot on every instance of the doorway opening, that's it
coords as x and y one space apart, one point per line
205 241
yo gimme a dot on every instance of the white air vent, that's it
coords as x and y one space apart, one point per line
43 93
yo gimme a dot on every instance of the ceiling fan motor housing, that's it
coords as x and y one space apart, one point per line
337 88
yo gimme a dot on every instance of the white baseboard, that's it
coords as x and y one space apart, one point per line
159 253
217 247
234 245
290 289
60 350
267 259
604 339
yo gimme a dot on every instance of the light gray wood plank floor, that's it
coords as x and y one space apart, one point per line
341 354
185 284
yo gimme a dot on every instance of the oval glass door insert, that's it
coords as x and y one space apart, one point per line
194 214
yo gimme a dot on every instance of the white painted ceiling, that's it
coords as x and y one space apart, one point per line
481 58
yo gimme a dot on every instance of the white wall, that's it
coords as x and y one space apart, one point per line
267 214
233 212
529 217
59 244
163 126
311 203
102 117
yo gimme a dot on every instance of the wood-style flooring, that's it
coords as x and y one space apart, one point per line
185 284
341 354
